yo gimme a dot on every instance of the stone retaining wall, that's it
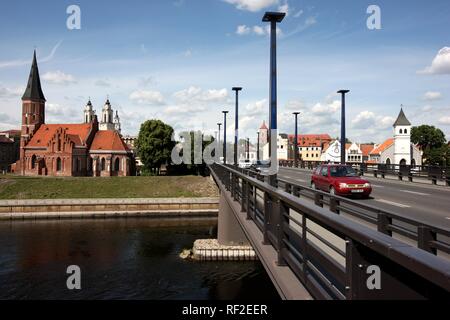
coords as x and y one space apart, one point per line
95 208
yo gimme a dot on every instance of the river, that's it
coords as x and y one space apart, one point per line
120 258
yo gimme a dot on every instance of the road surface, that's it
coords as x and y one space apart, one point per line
427 203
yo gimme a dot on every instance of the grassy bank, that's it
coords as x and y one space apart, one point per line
15 187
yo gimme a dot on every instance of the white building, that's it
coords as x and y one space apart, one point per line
282 148
398 150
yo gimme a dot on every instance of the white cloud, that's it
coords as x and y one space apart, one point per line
432 96
252 5
59 77
256 108
180 109
427 108
310 21
10 93
56 113
259 30
198 95
242 30
284 8
102 83
147 97
368 119
188 53
298 14
16 63
444 120
320 108
440 64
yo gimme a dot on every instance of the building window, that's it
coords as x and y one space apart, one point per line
401 131
33 161
103 164
406 131
117 165
58 165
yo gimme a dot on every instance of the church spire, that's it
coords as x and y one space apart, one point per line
34 89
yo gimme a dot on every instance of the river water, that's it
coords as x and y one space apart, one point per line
120 259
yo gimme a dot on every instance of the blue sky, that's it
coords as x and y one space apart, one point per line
177 60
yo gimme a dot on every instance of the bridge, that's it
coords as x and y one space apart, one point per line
317 246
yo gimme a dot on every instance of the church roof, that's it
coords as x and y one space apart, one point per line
108 140
386 144
263 126
401 119
77 133
34 89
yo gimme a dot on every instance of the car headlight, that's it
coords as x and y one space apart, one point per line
343 185
367 185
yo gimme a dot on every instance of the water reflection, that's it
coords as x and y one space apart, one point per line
120 259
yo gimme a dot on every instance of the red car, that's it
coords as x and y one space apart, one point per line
341 180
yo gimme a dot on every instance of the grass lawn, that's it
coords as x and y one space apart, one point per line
17 187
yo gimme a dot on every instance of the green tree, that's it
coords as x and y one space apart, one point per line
427 137
193 168
154 145
439 156
432 141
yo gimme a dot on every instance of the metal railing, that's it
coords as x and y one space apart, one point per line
432 173
330 254
433 239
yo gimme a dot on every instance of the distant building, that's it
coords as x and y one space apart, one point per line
85 149
9 149
398 150
282 148
263 134
311 146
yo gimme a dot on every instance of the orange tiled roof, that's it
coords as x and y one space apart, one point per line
383 146
371 161
108 140
78 133
306 140
366 149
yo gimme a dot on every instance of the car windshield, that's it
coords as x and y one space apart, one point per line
342 171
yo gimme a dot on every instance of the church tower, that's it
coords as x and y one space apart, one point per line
33 107
402 140
89 112
263 134
107 117
117 126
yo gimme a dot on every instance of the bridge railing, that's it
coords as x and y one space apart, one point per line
431 238
331 255
402 172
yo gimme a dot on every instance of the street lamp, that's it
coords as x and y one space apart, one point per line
236 125
257 147
296 139
248 148
343 93
224 137
273 18
218 142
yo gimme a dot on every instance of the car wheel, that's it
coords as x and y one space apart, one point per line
332 191
313 185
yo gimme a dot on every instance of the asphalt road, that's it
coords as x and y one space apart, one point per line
427 203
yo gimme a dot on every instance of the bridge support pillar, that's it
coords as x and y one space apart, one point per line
229 230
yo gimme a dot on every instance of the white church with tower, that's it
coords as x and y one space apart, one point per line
108 120
398 150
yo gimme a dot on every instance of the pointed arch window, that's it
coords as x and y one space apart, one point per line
103 164
58 165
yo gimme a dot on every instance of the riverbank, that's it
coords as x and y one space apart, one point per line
19 187
105 208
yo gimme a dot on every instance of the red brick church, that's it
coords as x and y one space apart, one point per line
86 149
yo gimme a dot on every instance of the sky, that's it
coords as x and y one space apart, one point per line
177 60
